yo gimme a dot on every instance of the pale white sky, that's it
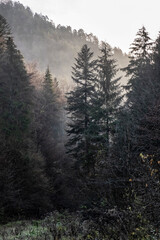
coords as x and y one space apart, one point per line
115 21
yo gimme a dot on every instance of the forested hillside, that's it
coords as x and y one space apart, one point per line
84 165
42 42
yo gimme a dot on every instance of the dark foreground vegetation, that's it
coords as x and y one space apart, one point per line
95 173
73 226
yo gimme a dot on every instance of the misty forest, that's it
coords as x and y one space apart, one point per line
79 132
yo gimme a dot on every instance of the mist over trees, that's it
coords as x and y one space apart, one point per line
36 36
91 157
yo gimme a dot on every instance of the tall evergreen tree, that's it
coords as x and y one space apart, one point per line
51 94
140 101
22 178
155 87
106 102
79 108
48 124
139 72
138 88
147 137
108 96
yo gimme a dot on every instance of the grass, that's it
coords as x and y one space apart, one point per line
58 226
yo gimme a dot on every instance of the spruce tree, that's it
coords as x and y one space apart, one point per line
138 88
49 123
22 177
138 104
148 140
51 94
106 102
108 97
14 119
155 87
79 109
139 72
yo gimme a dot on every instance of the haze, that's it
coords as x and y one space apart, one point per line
115 21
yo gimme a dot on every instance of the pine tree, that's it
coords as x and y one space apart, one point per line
18 89
22 177
138 88
48 127
147 143
106 102
51 94
139 72
79 109
108 97
155 87
140 100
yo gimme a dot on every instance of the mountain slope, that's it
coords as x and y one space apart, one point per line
42 42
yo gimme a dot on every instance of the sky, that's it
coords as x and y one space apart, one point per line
113 21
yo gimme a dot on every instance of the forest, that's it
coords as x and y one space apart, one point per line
36 36
79 133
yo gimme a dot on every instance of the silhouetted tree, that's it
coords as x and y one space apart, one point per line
22 176
109 97
79 109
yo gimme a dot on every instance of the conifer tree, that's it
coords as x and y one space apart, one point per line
106 102
49 123
139 72
22 177
155 87
108 97
79 109
139 101
138 88
51 93
148 140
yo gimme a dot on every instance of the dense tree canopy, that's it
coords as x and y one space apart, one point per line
106 167
37 36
